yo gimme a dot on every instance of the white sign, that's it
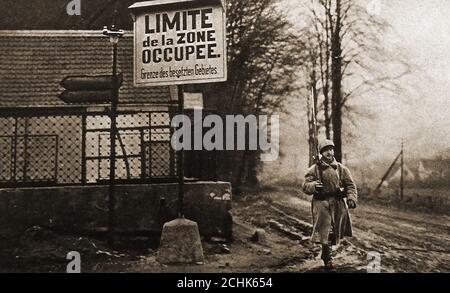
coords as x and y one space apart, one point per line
182 46
193 100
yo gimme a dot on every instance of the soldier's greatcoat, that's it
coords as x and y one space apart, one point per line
330 213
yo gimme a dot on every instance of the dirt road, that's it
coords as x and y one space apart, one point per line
405 241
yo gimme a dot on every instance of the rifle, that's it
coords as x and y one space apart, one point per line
316 139
341 193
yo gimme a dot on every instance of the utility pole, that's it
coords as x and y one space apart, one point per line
402 183
385 176
114 36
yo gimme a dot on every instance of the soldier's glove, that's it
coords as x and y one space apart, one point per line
351 204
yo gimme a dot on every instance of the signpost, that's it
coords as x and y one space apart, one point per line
179 42
81 89
114 35
97 89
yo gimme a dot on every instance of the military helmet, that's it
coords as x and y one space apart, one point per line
325 143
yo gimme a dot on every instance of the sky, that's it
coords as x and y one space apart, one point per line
421 29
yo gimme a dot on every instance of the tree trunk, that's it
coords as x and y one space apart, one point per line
326 107
336 75
239 179
252 169
326 77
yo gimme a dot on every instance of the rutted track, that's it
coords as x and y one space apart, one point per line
407 241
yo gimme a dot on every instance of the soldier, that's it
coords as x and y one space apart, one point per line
334 192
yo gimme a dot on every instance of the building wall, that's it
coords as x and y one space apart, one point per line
138 208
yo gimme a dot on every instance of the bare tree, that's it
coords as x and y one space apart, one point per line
352 59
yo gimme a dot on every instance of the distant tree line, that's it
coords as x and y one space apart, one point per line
263 59
345 58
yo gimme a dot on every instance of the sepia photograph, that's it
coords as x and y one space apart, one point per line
225 137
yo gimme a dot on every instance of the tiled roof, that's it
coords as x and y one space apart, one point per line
52 15
32 64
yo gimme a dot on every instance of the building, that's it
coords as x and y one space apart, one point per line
33 63
54 147
424 171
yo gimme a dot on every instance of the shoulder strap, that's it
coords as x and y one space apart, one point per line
339 172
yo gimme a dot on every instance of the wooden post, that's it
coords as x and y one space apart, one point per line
112 160
180 157
114 39
388 172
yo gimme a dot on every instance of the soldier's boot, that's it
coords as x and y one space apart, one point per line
327 258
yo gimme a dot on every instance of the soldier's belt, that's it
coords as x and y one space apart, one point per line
327 195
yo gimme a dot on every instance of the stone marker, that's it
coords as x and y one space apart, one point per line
259 236
180 243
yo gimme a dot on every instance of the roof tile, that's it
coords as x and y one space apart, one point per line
32 66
